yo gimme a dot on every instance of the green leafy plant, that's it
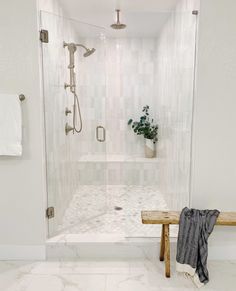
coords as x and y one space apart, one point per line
145 126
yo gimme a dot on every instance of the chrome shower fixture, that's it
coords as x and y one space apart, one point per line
72 47
118 24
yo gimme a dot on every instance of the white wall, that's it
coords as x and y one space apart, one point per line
22 208
214 140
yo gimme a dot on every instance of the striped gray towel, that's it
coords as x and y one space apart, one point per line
195 227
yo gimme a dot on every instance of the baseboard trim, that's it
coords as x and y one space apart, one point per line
22 252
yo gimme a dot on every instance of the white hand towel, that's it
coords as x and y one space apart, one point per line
10 125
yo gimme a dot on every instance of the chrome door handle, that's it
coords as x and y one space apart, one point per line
98 128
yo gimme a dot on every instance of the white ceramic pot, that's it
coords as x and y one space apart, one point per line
150 148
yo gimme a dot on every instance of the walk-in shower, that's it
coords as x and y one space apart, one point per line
72 47
98 181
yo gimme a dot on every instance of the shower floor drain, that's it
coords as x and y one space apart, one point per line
118 208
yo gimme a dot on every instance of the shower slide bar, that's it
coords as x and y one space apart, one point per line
72 47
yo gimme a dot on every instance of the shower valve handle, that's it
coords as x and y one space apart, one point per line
68 86
67 111
68 128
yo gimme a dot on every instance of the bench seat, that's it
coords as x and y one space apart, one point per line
172 217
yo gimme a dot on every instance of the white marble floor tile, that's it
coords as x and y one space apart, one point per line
124 275
12 271
82 267
60 283
127 283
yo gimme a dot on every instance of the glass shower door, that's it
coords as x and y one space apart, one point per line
76 163
167 86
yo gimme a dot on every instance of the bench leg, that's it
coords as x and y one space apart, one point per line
167 249
162 247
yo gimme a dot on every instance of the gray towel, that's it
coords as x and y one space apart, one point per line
195 227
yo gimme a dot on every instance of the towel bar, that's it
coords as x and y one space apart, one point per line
22 97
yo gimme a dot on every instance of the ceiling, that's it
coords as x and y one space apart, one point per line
144 18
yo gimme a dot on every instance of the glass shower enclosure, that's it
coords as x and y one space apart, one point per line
99 180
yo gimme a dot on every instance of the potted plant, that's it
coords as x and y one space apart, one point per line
146 127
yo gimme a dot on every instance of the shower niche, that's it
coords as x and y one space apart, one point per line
98 179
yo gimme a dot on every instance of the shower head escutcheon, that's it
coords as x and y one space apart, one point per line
118 24
72 47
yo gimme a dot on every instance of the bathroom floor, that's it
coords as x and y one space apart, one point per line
117 212
107 276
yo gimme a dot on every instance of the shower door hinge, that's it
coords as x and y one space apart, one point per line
195 12
50 212
44 36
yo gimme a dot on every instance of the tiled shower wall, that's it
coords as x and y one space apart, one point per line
174 102
114 85
130 86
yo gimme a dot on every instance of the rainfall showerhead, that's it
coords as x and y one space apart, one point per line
89 52
118 25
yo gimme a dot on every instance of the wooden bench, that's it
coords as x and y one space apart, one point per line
172 217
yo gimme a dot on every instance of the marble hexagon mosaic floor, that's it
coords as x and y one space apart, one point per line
126 275
112 209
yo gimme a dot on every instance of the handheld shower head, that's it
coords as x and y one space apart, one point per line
89 52
73 46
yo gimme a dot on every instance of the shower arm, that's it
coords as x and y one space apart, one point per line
72 46
81 45
118 15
